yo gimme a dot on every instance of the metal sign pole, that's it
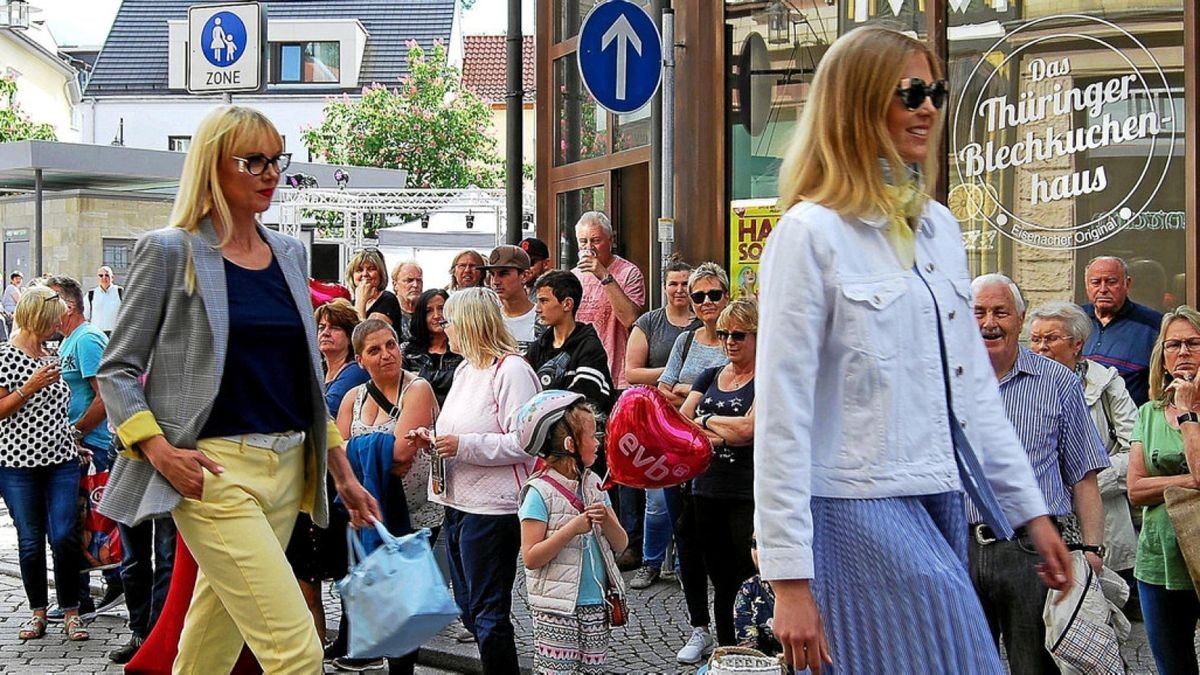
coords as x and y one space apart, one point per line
666 224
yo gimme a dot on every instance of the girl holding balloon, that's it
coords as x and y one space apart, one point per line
569 536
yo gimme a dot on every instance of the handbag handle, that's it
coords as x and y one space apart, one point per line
354 548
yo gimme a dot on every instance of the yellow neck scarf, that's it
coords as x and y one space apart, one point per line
905 203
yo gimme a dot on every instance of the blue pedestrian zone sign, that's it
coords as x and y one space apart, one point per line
224 38
620 56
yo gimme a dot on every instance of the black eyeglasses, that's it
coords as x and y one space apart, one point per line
104 276
917 91
714 295
736 335
256 164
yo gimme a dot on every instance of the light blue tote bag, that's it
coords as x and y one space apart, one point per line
395 598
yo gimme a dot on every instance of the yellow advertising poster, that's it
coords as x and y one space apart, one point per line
751 221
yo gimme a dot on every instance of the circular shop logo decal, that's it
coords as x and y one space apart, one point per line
1045 129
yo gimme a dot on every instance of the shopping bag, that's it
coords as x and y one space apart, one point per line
101 539
1183 509
1079 632
395 598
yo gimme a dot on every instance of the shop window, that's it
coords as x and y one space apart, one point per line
178 143
305 62
569 15
1062 149
580 126
570 206
632 130
116 254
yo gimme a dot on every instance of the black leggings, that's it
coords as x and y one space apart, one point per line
692 575
728 525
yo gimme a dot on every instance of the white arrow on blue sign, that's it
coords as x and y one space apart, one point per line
620 56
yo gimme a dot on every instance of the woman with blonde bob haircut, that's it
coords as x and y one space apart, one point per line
367 276
485 467
860 459
230 434
39 463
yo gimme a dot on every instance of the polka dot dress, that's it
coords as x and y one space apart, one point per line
39 432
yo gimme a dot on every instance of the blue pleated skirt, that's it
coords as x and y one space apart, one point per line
893 589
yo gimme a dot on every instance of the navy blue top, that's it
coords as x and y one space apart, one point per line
265 383
1125 344
731 474
350 377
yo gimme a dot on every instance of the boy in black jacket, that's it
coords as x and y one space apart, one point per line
569 355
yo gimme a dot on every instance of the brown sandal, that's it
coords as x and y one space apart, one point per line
33 629
73 627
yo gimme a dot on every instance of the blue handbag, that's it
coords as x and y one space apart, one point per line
395 599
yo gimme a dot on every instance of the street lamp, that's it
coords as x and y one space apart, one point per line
18 14
779 23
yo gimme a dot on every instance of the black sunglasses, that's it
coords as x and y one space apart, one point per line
256 164
917 90
737 335
714 295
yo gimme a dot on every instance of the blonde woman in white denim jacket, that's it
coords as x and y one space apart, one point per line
859 510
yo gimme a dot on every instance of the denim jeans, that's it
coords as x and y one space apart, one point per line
483 568
1005 577
44 501
149 557
631 509
1171 627
656 529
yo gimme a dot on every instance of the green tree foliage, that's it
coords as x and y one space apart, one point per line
429 126
15 125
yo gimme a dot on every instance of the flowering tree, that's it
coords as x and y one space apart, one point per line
429 126
15 125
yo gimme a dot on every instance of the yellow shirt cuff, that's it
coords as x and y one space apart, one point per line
333 437
139 427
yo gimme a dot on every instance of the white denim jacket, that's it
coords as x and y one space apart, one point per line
849 386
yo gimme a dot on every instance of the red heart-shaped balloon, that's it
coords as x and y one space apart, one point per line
650 444
326 291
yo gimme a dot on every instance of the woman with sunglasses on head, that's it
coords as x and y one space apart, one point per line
722 403
877 405
1165 453
466 270
39 462
230 433
366 273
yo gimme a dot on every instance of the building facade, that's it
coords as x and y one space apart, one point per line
1070 132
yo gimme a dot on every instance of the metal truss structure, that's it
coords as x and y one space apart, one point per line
355 206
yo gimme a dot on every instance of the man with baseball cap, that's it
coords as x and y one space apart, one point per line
539 262
505 271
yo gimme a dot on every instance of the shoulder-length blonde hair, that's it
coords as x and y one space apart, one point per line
834 157
479 330
226 131
372 257
1160 379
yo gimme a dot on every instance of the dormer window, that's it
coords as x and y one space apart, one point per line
305 62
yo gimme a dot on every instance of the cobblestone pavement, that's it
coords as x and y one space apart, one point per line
656 630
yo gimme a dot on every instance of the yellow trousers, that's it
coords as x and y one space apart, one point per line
245 589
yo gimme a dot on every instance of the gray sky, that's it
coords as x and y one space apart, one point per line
86 22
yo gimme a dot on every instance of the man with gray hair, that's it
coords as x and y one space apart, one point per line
408 280
1044 402
1123 332
101 304
614 290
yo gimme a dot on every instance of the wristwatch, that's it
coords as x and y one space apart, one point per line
1188 416
1099 550
608 279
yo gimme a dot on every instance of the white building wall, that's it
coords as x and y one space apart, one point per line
150 121
42 89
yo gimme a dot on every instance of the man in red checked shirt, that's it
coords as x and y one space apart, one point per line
614 290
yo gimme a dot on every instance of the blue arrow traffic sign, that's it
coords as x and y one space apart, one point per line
620 56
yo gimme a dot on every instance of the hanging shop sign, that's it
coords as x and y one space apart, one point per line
750 221
1035 112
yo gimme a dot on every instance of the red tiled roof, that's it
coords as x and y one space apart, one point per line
483 67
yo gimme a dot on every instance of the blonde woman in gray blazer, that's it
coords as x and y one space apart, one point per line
229 433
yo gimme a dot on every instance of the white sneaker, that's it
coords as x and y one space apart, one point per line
699 644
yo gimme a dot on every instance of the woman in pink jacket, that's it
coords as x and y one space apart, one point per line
485 467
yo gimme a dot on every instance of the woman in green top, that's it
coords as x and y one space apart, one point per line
1165 443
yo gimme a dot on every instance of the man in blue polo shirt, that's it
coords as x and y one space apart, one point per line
1123 332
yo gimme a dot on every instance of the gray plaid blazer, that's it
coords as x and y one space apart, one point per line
179 340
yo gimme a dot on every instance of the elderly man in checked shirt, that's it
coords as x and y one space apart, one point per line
1044 403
